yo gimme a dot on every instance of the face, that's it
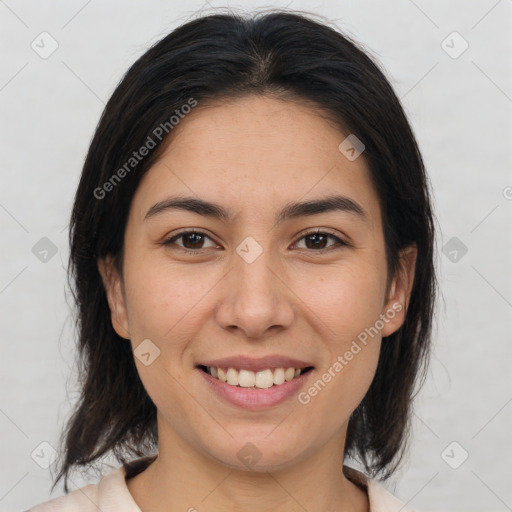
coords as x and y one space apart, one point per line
253 291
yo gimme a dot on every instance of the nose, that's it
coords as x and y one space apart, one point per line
255 298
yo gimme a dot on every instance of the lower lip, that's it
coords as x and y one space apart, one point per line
255 398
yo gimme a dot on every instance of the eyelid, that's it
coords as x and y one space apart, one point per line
340 240
168 240
327 231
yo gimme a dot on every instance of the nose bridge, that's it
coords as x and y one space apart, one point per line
255 282
255 299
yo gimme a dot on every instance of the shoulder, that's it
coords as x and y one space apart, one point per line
109 495
83 499
381 500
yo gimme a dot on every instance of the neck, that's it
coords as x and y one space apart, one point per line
182 479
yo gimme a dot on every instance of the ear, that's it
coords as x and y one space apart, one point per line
399 295
115 295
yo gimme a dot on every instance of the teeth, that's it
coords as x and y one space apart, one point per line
232 376
221 374
245 379
263 379
279 376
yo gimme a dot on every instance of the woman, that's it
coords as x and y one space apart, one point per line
252 247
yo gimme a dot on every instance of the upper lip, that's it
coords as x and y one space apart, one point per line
255 364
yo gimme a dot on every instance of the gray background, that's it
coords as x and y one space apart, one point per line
460 107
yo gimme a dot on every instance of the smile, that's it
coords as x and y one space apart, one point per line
262 379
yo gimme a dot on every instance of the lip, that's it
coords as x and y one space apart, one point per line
255 399
255 364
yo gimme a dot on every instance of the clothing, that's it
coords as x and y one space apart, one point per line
111 494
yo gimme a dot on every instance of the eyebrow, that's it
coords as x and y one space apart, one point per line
290 210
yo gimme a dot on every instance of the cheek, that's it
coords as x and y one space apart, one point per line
337 389
345 298
346 305
165 299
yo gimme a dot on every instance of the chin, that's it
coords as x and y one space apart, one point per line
258 453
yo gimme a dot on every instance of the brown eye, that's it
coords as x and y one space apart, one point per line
195 239
317 241
192 241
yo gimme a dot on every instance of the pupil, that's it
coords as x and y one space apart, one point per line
194 235
319 236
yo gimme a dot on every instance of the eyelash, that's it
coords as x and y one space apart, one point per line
167 242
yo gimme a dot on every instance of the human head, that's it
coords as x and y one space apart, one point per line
218 59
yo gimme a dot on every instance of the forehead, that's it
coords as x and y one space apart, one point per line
254 154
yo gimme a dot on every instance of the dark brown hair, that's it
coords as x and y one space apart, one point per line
211 59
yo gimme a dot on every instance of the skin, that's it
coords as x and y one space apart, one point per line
253 155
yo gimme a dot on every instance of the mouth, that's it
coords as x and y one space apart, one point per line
264 378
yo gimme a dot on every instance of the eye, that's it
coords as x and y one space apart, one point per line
192 238
319 238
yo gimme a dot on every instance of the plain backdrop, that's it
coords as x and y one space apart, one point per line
451 65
